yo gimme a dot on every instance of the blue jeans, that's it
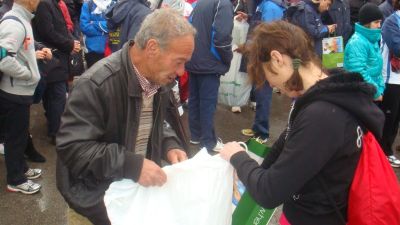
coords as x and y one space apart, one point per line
263 97
203 97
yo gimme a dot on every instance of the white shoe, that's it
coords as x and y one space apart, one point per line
33 173
194 142
253 105
1 148
218 146
236 109
394 162
28 187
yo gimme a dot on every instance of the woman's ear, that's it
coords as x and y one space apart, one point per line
276 58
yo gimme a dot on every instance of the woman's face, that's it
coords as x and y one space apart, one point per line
283 72
324 5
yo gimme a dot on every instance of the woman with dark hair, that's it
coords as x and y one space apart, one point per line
391 75
323 138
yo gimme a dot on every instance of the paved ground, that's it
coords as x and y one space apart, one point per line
48 207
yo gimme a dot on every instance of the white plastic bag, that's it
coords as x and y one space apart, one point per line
198 192
234 89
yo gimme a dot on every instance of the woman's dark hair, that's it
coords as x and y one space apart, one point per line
285 38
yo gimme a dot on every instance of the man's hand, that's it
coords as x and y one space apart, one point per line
241 16
332 28
77 46
40 54
48 54
176 155
151 174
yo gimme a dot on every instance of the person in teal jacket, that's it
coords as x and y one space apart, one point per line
362 53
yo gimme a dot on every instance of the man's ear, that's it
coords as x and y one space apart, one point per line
152 48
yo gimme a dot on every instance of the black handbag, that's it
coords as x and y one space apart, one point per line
76 65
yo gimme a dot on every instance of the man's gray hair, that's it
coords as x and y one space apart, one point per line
163 25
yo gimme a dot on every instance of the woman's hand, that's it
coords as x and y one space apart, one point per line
230 149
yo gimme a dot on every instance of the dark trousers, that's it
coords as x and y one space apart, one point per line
92 58
54 99
263 97
391 107
203 96
16 124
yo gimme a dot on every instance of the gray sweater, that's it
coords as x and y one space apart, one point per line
21 73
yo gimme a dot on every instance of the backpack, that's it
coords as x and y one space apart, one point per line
374 195
3 51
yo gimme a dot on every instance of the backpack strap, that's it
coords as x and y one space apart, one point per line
10 17
331 200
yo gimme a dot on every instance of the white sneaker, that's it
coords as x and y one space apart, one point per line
33 173
236 109
2 148
194 142
26 188
253 105
394 162
218 146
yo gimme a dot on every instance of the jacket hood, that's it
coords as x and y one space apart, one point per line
118 13
281 3
350 92
373 35
313 5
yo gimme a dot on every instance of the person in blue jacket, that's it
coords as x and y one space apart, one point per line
339 14
213 20
362 53
391 101
386 8
124 20
269 10
94 27
308 17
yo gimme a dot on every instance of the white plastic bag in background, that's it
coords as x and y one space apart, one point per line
198 192
235 87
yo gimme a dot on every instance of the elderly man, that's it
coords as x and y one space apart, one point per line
114 124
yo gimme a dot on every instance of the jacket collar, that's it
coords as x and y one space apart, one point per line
134 89
372 35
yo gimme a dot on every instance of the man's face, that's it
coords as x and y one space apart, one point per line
33 4
170 62
324 5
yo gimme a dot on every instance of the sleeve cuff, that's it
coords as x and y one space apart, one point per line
171 143
133 166
238 158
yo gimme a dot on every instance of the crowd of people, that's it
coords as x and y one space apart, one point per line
120 119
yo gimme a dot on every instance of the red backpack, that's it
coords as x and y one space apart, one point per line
374 196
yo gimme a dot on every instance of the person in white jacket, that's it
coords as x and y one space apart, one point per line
19 80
